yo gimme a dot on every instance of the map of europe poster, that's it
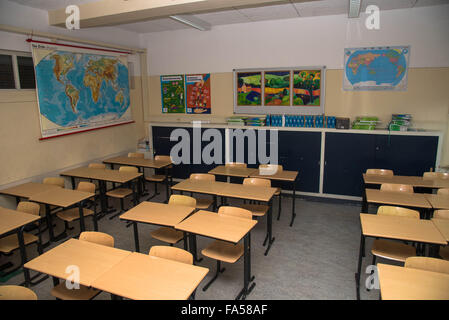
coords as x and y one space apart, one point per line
379 68
80 90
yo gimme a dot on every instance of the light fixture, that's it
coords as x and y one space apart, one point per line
192 22
354 8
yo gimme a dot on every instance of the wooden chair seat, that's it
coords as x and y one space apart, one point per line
73 214
203 203
168 235
155 178
444 252
83 293
223 251
11 242
119 193
16 293
258 210
392 250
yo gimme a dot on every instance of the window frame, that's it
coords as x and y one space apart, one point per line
15 67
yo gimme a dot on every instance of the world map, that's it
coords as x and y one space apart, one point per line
78 91
376 68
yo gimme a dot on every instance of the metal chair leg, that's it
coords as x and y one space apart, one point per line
217 272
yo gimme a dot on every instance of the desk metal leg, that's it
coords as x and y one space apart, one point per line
193 248
359 266
247 279
82 224
293 204
136 237
269 236
23 255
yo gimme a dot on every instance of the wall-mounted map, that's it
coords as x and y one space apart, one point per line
80 90
379 68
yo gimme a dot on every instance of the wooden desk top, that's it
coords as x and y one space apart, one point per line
415 181
400 228
400 283
143 277
213 225
232 171
281 176
92 259
240 191
438 201
417 200
61 197
157 213
26 190
138 162
101 174
11 219
443 226
199 186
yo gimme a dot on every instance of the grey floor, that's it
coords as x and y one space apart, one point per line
314 259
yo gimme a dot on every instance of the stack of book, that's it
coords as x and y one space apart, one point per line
236 121
365 123
255 121
400 122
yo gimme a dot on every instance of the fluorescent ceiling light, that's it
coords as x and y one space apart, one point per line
354 8
192 22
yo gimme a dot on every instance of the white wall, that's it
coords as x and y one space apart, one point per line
299 42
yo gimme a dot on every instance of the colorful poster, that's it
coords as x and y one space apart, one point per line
198 94
173 94
80 89
249 88
277 88
379 68
307 87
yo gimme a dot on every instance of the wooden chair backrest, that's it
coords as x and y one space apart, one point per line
162 158
128 169
441 214
29 207
136 155
57 181
97 237
271 167
436 175
443 191
97 165
398 212
380 172
12 292
202 176
171 253
236 165
428 264
235 212
182 200
86 186
396 187
257 182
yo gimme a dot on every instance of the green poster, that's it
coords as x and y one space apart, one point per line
173 94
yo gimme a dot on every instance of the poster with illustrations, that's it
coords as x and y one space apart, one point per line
173 94
198 98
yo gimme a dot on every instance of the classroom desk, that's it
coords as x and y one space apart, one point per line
12 221
283 176
415 181
103 176
438 201
397 228
232 171
225 228
141 163
400 283
143 277
63 198
443 226
403 199
28 189
234 190
92 259
161 214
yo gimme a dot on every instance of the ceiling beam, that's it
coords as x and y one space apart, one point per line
116 12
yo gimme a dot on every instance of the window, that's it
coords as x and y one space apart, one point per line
16 70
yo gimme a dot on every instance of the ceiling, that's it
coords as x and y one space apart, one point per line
284 10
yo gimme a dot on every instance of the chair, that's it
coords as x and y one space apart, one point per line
57 181
97 165
160 178
171 253
394 250
170 235
10 243
428 264
443 191
16 293
202 203
442 214
274 168
235 165
72 214
380 172
395 187
436 175
83 293
136 155
222 250
121 193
